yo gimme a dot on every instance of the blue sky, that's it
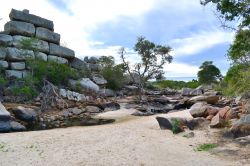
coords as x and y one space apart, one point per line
97 27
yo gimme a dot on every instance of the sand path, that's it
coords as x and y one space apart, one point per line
130 141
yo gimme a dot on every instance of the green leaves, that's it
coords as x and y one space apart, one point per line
208 73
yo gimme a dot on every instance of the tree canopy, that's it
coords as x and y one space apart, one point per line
231 10
153 57
208 73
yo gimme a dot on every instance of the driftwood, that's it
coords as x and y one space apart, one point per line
50 97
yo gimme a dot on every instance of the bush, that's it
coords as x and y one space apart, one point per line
54 72
114 76
176 126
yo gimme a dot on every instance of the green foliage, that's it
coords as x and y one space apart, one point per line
29 43
236 81
106 61
206 147
25 87
232 10
176 126
208 73
114 76
54 72
175 84
239 51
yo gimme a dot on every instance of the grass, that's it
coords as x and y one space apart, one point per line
176 126
206 147
3 147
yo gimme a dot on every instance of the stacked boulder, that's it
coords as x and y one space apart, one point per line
29 36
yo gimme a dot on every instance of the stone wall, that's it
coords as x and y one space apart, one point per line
45 43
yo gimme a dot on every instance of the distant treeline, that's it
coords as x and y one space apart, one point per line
174 84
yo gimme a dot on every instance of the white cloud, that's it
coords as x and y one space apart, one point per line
177 69
200 41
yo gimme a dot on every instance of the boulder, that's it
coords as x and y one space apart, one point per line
139 113
5 40
42 56
36 20
93 60
223 112
25 114
94 67
20 28
92 109
4 64
14 74
3 52
198 109
99 80
17 65
247 107
191 92
79 64
231 114
86 83
30 43
197 123
75 111
241 127
164 123
110 106
4 114
61 51
52 58
4 119
217 121
208 99
107 93
15 126
47 35
14 54
5 126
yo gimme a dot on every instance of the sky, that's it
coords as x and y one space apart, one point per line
101 27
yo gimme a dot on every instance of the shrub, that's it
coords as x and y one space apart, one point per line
54 72
176 126
114 76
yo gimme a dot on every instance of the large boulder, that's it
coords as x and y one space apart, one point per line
94 67
35 44
107 93
14 74
25 114
92 109
191 92
208 99
79 64
47 35
70 95
3 52
198 109
26 17
164 123
241 127
41 56
4 119
4 64
52 58
86 83
4 114
217 121
61 51
99 80
5 40
17 65
20 28
14 54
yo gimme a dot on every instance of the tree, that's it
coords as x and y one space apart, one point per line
152 60
208 73
231 10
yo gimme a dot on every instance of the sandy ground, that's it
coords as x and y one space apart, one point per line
130 141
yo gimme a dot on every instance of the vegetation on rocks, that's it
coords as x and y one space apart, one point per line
175 84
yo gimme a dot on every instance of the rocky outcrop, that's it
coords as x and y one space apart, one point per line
241 127
28 36
87 84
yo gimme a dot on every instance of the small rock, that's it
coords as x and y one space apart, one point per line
189 135
93 109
